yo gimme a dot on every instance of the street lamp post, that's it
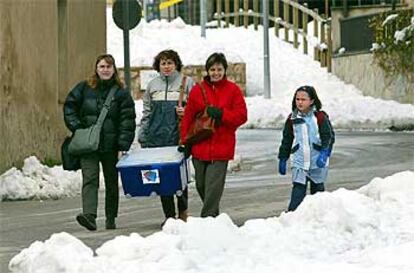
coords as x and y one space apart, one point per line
203 18
266 73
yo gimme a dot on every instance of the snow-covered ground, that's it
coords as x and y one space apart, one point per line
345 104
38 181
290 69
370 230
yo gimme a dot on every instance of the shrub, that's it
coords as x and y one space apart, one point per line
394 42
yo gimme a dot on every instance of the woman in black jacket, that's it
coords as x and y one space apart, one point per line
81 110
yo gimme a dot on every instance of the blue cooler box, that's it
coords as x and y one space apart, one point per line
153 171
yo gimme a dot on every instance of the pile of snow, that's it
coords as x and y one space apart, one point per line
370 230
345 104
37 181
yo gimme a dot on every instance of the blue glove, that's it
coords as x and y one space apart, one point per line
323 157
282 166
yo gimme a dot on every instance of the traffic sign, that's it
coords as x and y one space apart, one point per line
134 12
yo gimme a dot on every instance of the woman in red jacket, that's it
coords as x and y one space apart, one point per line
210 157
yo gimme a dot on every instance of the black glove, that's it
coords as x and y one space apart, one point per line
215 113
185 149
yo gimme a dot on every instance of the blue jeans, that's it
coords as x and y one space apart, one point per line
299 193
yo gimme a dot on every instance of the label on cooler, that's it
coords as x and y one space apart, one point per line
150 176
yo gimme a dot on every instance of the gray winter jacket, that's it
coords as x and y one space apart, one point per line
159 123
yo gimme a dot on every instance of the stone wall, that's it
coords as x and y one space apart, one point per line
235 72
361 71
45 48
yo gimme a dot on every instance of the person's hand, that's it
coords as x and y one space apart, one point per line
180 111
121 153
282 166
323 157
185 149
214 113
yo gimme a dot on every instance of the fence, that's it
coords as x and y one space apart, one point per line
287 15
235 72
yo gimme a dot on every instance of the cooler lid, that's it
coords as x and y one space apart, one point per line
148 156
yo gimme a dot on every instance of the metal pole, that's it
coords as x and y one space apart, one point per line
169 13
203 19
144 4
127 75
266 73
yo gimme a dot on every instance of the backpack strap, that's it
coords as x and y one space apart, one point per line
320 117
182 87
203 93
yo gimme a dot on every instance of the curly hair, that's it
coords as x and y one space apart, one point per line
170 55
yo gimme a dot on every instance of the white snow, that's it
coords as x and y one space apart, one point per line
347 108
405 33
370 230
389 19
344 103
37 181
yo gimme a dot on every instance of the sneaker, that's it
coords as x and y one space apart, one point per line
86 220
110 223
183 215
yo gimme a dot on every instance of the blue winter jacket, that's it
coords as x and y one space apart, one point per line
306 140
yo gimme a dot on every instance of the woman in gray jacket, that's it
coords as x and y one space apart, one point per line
161 115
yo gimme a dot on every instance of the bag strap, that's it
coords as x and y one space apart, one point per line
106 106
182 87
203 93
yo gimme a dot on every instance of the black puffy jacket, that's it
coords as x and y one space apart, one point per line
84 104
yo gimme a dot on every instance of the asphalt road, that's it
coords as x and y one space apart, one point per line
256 191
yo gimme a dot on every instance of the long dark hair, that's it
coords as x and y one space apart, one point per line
310 90
94 78
167 54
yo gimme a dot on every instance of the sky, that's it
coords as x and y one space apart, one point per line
367 230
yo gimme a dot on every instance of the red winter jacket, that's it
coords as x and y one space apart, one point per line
227 96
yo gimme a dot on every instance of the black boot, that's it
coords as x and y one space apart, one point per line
110 223
87 220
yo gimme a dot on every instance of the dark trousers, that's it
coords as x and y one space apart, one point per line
168 205
90 186
299 193
210 177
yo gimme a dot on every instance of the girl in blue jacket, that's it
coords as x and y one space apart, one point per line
309 137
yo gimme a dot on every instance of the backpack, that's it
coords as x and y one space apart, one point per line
321 116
